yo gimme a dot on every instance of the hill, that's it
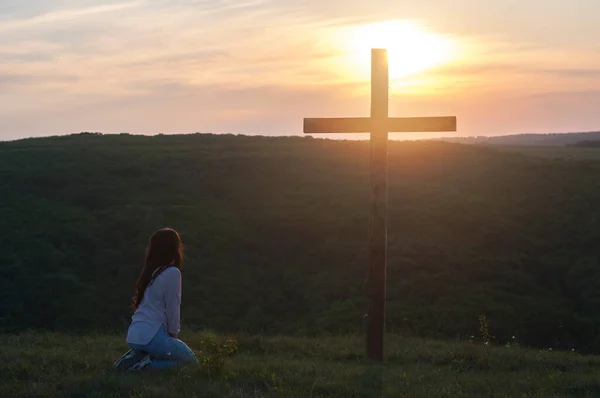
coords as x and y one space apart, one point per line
276 231
582 152
587 144
30 365
535 140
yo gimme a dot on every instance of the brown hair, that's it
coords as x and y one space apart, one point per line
165 248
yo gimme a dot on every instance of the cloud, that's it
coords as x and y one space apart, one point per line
590 97
21 56
117 50
498 68
7 80
170 107
584 73
253 65
205 56
61 15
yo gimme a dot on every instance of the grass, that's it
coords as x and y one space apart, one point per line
58 365
555 152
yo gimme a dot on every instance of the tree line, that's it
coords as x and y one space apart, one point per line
276 233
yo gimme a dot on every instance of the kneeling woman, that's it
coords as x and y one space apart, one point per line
152 335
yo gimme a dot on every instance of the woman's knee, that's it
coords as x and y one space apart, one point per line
183 352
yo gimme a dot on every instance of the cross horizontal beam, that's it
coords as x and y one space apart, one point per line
365 125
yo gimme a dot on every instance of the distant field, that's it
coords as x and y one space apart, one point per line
55 365
555 152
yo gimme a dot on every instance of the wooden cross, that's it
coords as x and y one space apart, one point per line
379 125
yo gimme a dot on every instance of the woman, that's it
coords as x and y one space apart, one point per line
155 326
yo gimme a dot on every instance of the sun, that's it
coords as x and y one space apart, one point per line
411 47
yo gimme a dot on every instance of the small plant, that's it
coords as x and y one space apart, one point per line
513 343
484 328
213 356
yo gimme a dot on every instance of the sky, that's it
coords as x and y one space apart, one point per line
260 66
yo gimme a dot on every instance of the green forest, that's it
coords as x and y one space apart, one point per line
276 232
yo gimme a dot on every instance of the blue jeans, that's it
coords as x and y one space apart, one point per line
166 351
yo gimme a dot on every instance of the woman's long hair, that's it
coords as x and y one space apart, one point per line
164 248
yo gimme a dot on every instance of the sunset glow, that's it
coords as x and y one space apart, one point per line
411 48
258 67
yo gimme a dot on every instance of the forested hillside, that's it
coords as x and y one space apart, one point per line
588 144
529 140
276 232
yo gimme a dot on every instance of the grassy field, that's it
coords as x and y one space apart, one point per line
56 365
555 152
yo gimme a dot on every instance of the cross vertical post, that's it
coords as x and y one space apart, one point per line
378 215
379 125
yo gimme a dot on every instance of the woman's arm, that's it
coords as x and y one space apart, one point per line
172 295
